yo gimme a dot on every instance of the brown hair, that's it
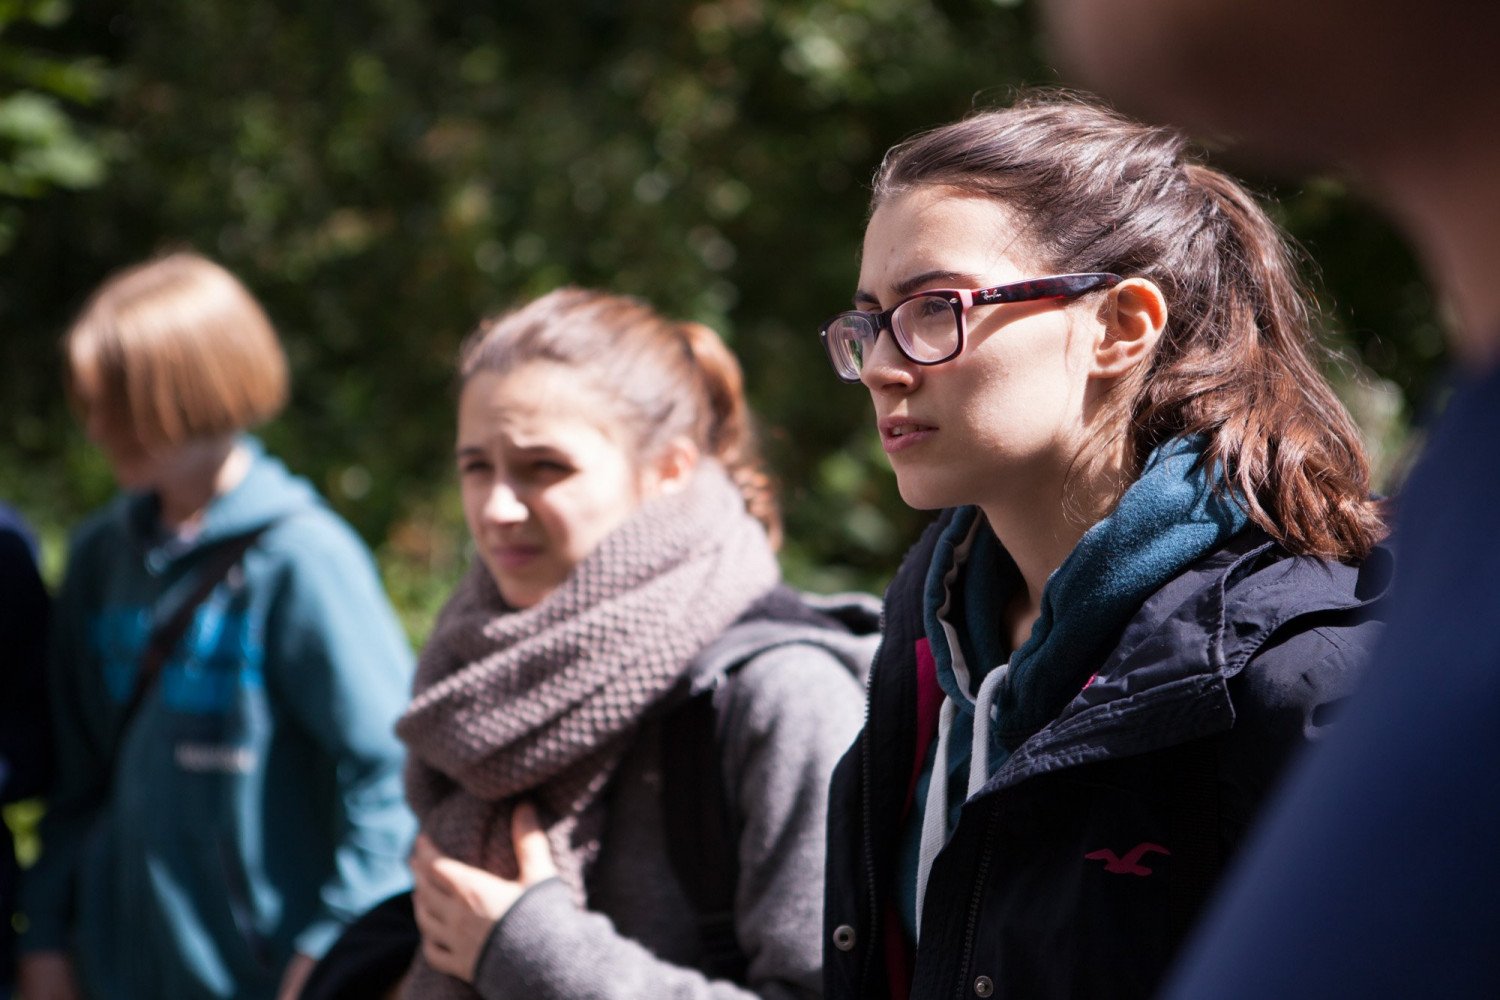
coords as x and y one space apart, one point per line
176 349
664 379
1236 363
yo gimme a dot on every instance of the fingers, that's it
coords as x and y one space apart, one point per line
453 927
435 874
430 912
438 936
430 868
441 958
424 850
533 852
456 905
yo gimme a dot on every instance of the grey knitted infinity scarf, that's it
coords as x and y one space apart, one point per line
542 703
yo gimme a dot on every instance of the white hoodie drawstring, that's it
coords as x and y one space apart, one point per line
979 750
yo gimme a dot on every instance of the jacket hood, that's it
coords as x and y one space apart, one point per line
846 625
1232 602
267 493
1167 680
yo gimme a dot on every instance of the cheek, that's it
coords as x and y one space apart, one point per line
588 523
580 519
472 497
1034 390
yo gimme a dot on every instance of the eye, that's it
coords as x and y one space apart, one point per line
474 467
928 307
549 468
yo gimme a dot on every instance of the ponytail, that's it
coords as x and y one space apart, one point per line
730 433
1246 379
1236 363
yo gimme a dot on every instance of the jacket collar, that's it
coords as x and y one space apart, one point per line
1164 684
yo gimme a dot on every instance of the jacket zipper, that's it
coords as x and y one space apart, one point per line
972 921
867 811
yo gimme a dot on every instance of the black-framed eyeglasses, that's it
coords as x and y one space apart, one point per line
928 327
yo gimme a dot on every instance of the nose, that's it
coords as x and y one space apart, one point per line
504 505
886 369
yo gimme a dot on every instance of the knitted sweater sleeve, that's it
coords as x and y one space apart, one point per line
790 714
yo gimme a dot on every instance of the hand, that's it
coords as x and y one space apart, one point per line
47 975
457 904
293 979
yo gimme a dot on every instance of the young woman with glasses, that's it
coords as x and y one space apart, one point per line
1154 571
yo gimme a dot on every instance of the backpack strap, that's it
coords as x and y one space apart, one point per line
169 630
702 836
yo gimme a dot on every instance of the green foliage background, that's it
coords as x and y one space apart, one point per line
383 173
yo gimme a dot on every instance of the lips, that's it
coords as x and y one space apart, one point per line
900 433
514 556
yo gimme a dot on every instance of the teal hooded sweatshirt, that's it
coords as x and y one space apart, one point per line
254 804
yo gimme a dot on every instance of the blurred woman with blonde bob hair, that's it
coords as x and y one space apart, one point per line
225 674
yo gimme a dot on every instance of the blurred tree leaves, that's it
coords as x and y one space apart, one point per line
41 145
384 173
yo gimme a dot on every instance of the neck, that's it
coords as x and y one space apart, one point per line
1448 205
1042 528
1038 545
203 471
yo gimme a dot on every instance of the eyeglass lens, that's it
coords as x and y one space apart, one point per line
926 327
847 337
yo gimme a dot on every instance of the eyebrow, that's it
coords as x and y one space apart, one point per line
907 286
525 450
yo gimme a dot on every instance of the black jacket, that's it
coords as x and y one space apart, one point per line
1078 868
25 728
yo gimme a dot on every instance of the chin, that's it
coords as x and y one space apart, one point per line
519 590
921 493
518 596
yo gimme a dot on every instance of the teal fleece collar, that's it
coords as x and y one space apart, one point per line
1167 519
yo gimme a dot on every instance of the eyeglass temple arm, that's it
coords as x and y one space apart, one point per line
1059 287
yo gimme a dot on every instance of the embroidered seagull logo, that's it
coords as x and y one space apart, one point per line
1130 863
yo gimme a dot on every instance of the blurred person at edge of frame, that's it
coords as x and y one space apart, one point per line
225 675
1373 875
25 739
1156 563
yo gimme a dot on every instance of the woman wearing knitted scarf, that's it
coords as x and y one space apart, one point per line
1154 571
623 529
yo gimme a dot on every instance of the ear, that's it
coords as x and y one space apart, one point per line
673 468
1134 319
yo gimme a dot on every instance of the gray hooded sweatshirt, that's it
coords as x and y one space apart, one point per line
788 700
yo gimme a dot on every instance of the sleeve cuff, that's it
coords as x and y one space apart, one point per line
505 966
315 941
